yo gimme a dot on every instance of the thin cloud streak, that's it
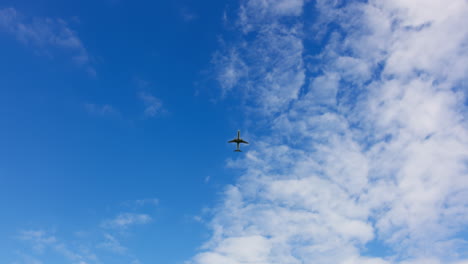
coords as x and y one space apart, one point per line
100 110
124 220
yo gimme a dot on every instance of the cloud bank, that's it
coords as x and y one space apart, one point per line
368 141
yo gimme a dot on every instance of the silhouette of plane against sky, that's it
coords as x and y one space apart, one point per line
238 141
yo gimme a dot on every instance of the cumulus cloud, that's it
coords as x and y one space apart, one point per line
373 150
45 34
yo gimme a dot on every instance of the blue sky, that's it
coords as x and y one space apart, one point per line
115 116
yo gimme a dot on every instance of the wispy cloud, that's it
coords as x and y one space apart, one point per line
125 220
137 204
42 241
187 14
27 259
230 69
258 14
112 243
368 143
103 241
46 34
141 83
148 201
153 105
100 110
270 68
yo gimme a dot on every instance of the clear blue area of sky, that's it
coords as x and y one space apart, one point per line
64 169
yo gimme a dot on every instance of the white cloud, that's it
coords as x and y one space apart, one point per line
153 105
112 243
45 34
147 201
137 204
207 179
41 241
26 259
103 241
230 69
100 110
269 70
376 149
323 89
187 14
124 220
257 13
251 249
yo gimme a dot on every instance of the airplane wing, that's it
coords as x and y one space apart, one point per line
243 141
232 141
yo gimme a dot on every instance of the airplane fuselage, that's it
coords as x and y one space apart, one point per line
238 141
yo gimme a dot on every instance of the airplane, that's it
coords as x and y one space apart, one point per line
238 141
